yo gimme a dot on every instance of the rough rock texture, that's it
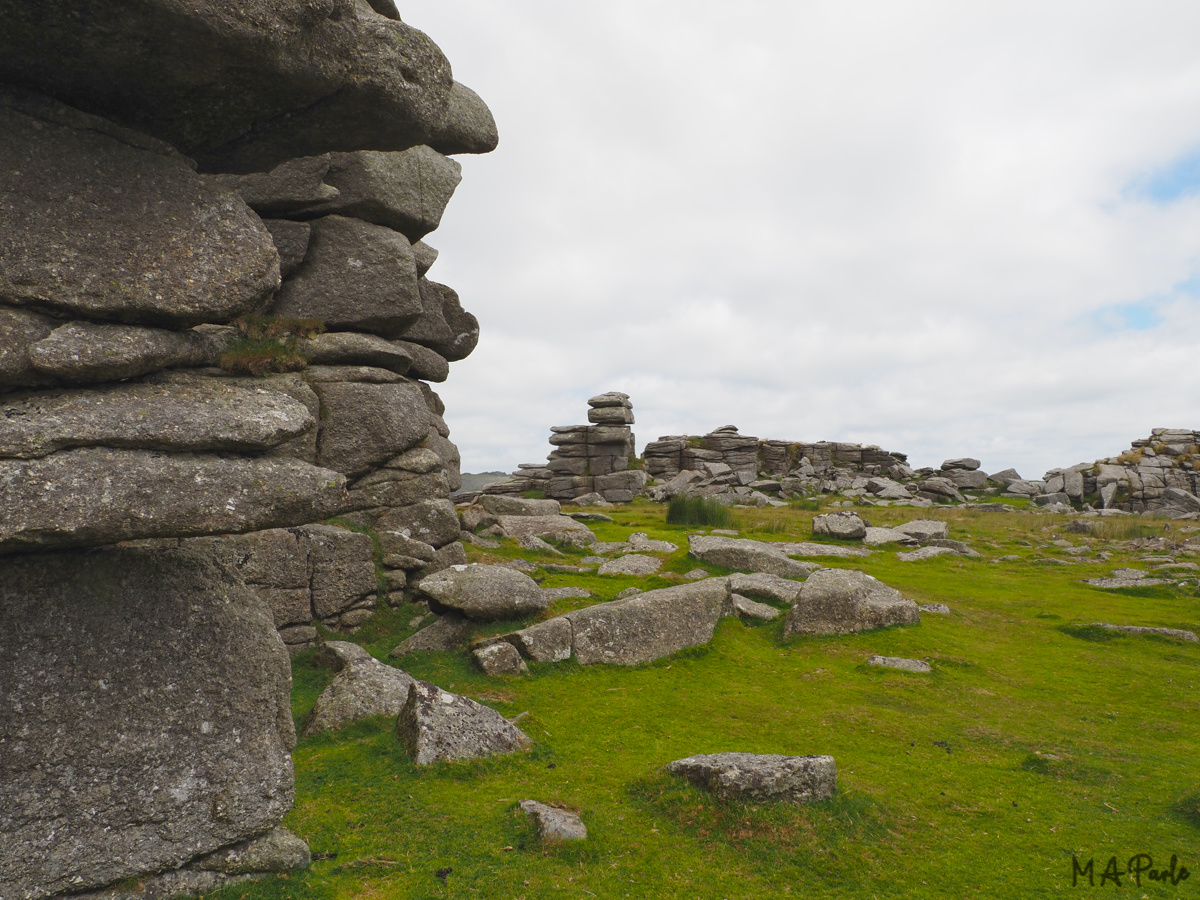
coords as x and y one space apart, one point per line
99 496
842 601
631 564
747 556
925 553
437 725
276 851
899 662
751 609
444 633
650 625
500 659
763 777
363 424
766 587
355 277
586 459
541 526
846 525
282 78
146 776
207 416
484 592
924 530
554 824
548 641
83 352
91 223
363 688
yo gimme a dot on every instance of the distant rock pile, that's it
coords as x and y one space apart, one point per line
589 463
1158 474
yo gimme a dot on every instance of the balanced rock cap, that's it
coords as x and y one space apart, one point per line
611 398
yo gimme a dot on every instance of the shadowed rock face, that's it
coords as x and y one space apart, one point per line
169 734
244 86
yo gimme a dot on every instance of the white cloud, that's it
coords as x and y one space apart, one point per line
894 223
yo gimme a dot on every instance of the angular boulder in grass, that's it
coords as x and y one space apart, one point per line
630 564
899 662
554 824
364 688
500 658
1177 633
751 609
808 548
176 673
445 633
484 593
924 553
650 625
355 277
747 556
842 601
276 851
763 777
208 415
924 530
766 587
79 498
94 218
436 725
81 352
499 505
543 526
548 641
337 655
877 537
845 525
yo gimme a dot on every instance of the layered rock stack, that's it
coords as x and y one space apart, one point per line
1159 473
216 330
589 462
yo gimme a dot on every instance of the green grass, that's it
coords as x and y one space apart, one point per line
1036 737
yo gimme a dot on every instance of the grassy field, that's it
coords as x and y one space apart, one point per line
1035 741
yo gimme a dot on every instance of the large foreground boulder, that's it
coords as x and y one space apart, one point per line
842 601
769 777
145 704
437 725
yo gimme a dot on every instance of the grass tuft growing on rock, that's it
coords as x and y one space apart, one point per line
268 346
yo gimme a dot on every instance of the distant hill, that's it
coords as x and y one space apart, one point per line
477 481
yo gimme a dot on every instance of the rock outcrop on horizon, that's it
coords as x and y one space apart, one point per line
217 331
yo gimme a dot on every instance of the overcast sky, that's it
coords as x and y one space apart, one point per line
944 228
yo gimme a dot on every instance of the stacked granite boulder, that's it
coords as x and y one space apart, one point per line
1158 474
216 330
591 462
